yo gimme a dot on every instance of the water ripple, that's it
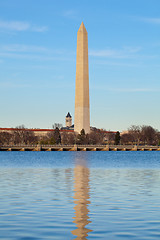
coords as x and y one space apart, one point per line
79 195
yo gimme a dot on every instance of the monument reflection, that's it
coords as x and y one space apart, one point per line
81 199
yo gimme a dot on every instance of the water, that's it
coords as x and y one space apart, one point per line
79 195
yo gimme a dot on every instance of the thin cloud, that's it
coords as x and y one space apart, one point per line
22 48
20 26
125 52
116 63
102 53
151 20
132 49
14 85
14 25
40 29
32 52
126 90
133 90
35 57
19 84
70 14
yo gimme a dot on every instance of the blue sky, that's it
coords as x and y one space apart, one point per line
38 61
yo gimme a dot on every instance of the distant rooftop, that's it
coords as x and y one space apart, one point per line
69 115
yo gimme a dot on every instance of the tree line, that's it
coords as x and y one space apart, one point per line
22 136
141 135
65 138
144 135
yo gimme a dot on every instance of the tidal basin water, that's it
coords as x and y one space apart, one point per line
79 195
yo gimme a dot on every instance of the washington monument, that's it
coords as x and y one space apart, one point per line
82 109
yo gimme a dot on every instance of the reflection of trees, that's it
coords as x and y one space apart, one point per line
81 200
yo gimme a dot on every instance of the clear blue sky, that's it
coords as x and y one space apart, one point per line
38 61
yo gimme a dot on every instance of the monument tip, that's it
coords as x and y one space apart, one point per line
82 27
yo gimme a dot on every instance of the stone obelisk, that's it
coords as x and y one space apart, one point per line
82 109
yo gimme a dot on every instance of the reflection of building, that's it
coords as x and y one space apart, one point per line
68 120
81 200
82 109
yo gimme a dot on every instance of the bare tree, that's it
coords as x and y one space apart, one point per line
96 137
127 138
49 138
148 135
158 138
135 131
5 138
68 138
22 135
109 137
144 135
64 138
57 125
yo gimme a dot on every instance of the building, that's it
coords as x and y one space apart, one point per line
82 108
68 120
37 131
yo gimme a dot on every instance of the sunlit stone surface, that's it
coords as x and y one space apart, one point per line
82 110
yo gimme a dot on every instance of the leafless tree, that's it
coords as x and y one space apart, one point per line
109 137
68 138
5 138
57 125
22 135
148 135
135 131
144 135
96 137
158 138
127 138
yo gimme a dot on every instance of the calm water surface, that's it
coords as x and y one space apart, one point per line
79 195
